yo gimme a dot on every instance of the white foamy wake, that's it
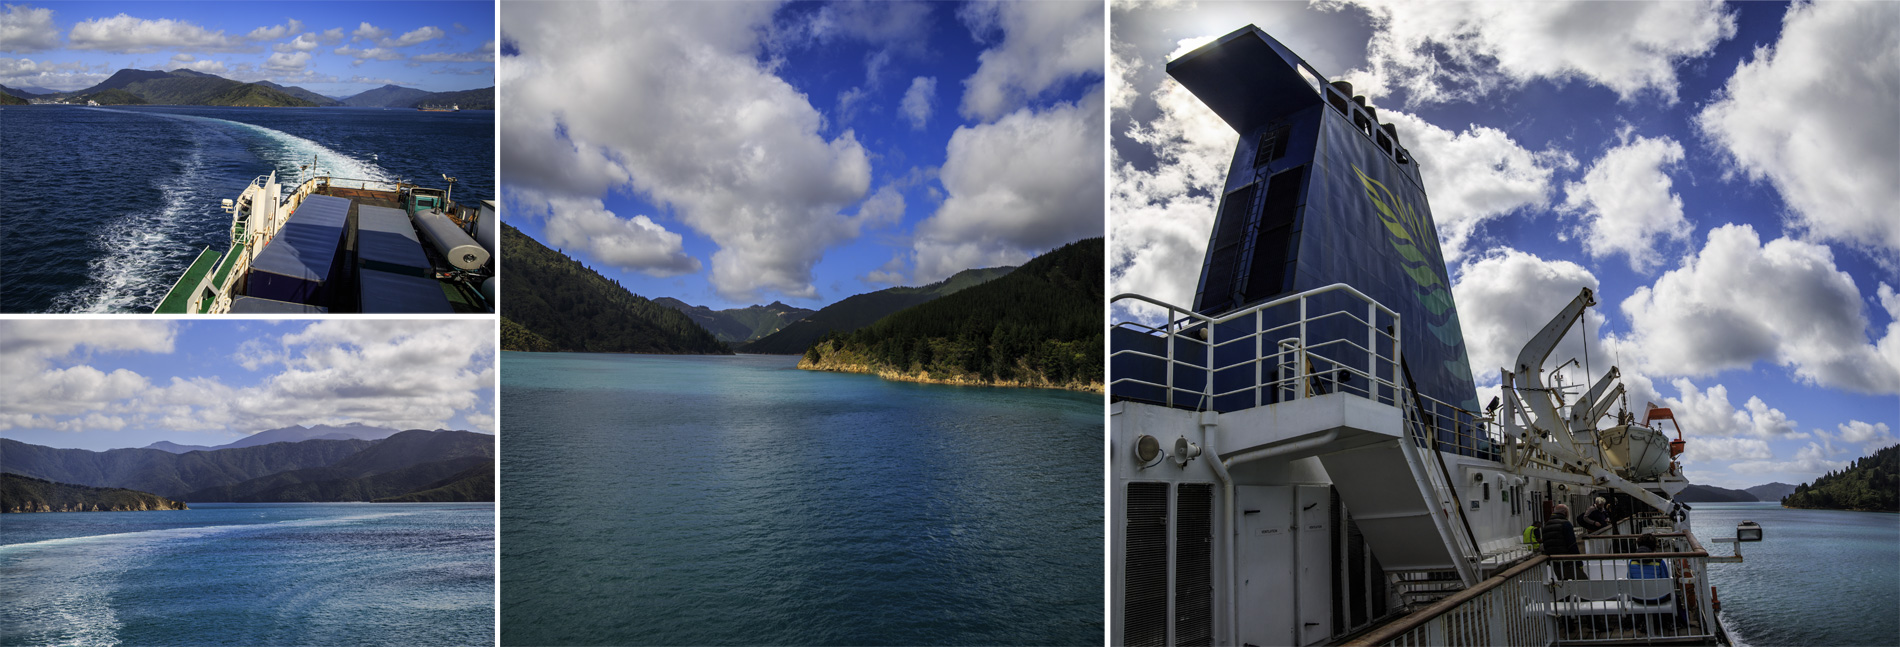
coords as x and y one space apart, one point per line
131 275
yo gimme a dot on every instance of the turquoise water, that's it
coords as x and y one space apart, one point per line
251 574
737 500
1818 577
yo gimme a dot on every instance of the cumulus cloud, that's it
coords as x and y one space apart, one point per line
695 120
291 28
366 32
1870 436
385 372
287 63
124 34
1506 296
1445 51
303 43
371 54
1161 216
331 36
1043 44
1627 203
1812 460
635 243
918 99
1707 413
34 355
1475 176
1812 115
483 54
24 30
70 75
419 36
1027 183
188 62
1739 301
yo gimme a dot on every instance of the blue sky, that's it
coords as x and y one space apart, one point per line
748 152
107 383
332 48
1710 169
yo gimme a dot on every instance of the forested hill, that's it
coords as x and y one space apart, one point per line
1871 483
554 303
27 494
1040 326
862 310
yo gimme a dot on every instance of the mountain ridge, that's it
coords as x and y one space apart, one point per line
860 310
570 307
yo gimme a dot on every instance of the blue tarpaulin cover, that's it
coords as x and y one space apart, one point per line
386 292
386 242
299 265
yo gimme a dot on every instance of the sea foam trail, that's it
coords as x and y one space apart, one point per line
192 532
134 272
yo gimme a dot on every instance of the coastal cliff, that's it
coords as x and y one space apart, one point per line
28 494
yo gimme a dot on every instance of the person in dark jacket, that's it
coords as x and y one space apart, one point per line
1597 517
1560 538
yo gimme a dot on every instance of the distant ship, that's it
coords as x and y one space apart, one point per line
1300 457
331 245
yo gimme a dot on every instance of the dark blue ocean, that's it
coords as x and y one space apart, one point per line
102 208
739 501
251 574
1818 577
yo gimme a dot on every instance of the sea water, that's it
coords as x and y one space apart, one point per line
737 500
251 574
103 208
1818 577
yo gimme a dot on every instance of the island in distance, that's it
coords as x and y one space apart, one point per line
189 88
28 494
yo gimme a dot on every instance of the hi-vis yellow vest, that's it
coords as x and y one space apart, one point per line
1531 537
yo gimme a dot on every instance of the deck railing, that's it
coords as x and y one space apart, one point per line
1285 354
1615 592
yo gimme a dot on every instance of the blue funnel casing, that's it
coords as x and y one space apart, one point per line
1319 193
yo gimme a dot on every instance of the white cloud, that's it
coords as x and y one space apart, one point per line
1029 182
1813 115
1474 176
1739 301
483 54
368 32
390 373
1506 296
292 28
1810 460
694 120
71 75
1871 436
635 243
1726 449
1708 413
189 62
24 30
419 36
291 63
371 54
917 102
125 34
303 43
1162 217
1627 203
332 36
1444 51
1043 44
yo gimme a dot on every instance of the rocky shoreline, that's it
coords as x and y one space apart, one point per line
925 377
25 494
